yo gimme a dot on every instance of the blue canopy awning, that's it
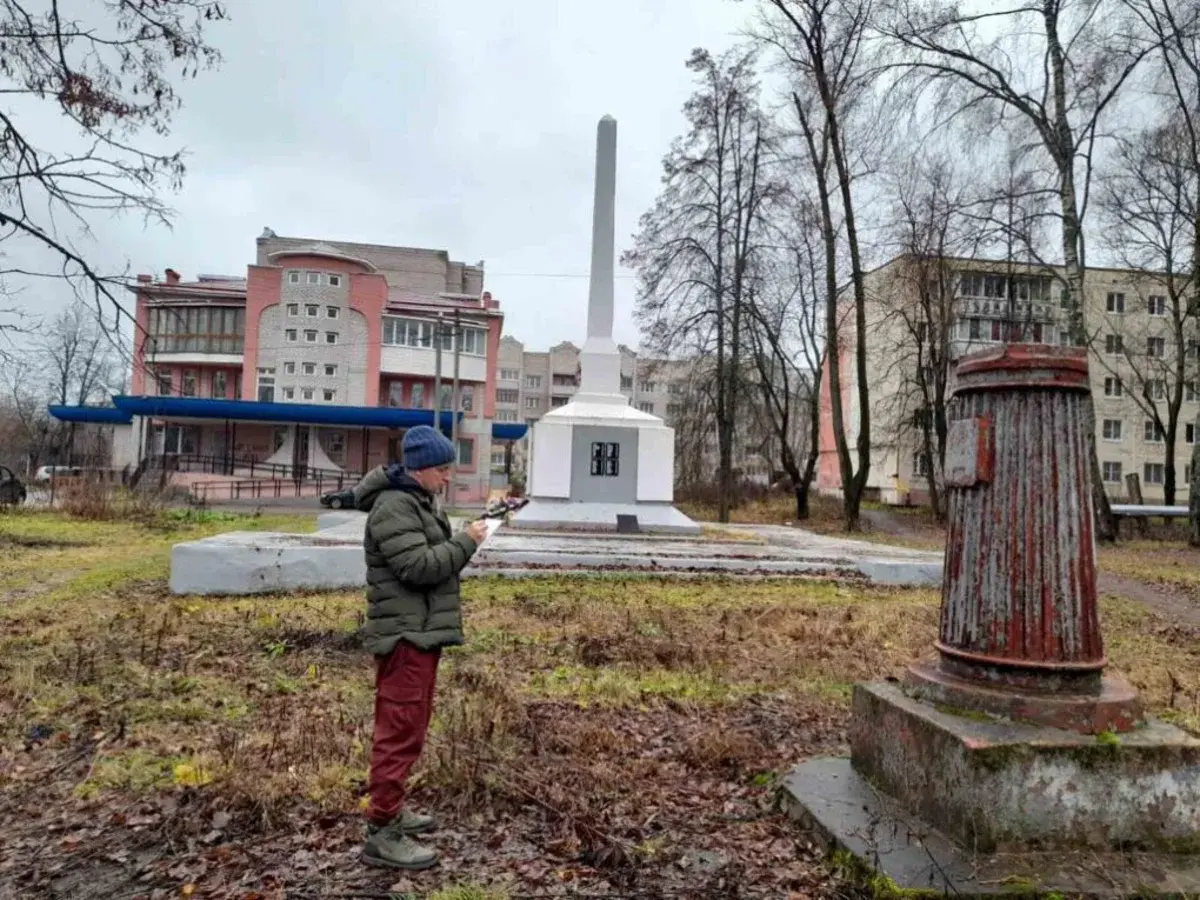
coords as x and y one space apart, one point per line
103 415
509 431
291 413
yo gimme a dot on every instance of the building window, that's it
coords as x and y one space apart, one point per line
293 277
1113 344
309 368
418 395
219 386
196 329
1189 432
266 385
510 374
335 280
556 402
1156 347
647 387
920 465
506 415
1153 473
330 370
335 443
313 277
646 406
466 451
531 402
310 336
162 384
1156 305
1187 474
1116 303
627 382
332 312
466 397
289 368
290 335
311 310
1112 472
307 393
1064 339
563 381
395 395
498 458
1189 391
187 387
1113 387
1112 429
289 393
1152 433
407 332
329 395
474 341
331 337
293 309
1156 388
674 410
533 381
675 387
606 459
508 396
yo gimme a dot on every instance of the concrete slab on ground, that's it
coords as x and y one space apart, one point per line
331 559
830 800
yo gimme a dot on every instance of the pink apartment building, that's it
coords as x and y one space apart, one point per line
314 363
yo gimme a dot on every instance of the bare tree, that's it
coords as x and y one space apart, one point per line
1171 28
933 223
1147 199
695 248
821 43
1051 75
108 71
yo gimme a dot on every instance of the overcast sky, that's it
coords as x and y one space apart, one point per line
461 125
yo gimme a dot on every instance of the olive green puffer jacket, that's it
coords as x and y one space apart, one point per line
413 563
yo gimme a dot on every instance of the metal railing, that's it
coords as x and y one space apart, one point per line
229 465
269 488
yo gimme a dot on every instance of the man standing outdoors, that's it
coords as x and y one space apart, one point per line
413 611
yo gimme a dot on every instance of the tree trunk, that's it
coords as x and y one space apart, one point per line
1194 494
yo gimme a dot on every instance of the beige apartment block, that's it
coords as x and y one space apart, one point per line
1134 349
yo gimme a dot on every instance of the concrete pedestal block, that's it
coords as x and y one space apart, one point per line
1000 785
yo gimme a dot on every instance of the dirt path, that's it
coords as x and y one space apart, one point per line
1175 608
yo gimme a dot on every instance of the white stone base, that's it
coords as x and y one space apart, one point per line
556 515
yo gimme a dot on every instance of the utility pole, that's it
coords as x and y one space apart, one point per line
454 404
437 373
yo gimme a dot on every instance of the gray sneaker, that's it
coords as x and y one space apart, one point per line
415 822
389 847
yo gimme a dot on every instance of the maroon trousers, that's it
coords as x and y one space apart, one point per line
404 682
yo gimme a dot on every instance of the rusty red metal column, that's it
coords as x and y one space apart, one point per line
1020 627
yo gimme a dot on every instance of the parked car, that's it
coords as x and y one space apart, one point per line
12 491
45 473
338 499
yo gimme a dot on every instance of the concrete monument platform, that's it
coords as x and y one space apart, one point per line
655 518
854 820
332 558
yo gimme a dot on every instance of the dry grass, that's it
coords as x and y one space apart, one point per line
113 692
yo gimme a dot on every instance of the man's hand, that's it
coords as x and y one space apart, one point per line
477 531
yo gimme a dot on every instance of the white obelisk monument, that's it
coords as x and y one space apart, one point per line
597 463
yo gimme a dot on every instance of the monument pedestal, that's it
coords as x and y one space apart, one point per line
1015 744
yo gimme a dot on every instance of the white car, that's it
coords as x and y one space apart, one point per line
45 473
